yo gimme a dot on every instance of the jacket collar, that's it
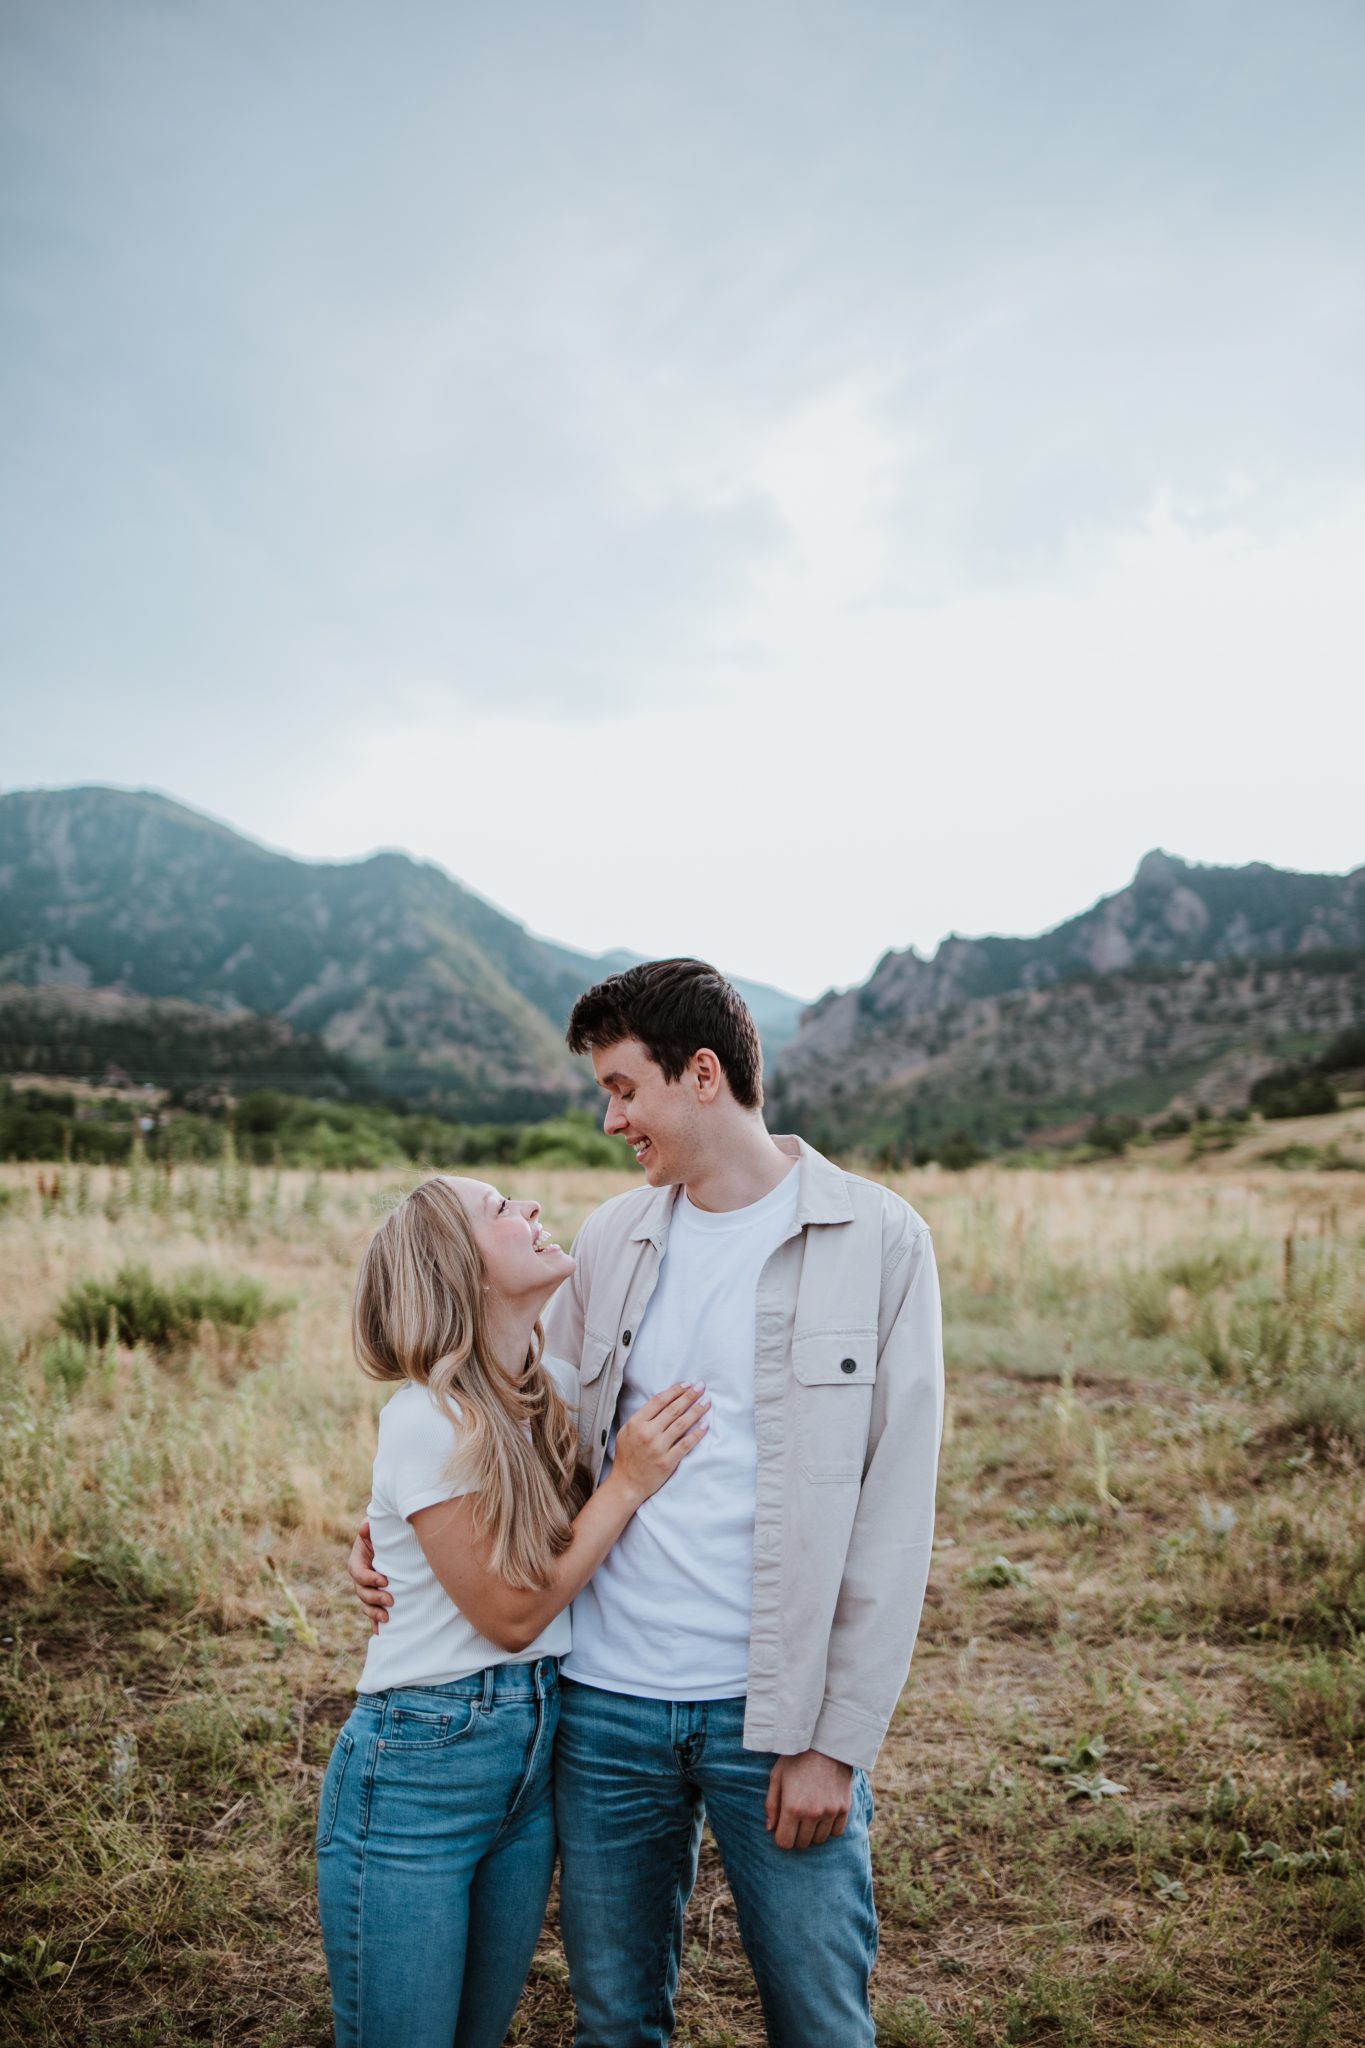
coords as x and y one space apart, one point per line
822 1197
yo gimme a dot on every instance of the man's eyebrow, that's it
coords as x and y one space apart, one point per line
610 1080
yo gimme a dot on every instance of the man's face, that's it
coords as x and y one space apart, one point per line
660 1119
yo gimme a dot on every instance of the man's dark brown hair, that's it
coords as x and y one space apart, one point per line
674 1008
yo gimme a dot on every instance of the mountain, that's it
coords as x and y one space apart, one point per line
776 1014
135 930
387 963
1190 974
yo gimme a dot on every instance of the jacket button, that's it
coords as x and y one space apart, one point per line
848 1365
604 1436
625 1339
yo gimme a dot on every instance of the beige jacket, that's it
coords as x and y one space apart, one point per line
848 1385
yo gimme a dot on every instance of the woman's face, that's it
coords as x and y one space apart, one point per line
520 1260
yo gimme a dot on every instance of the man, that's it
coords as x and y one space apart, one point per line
739 1654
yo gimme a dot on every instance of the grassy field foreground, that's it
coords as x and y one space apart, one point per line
1122 1799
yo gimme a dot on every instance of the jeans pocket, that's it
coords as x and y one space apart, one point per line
412 1728
331 1787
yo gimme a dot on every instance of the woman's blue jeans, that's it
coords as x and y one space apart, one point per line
436 1843
633 1780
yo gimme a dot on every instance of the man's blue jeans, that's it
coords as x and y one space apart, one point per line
436 1844
634 1779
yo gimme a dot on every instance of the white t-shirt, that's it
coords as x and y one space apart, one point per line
668 1612
426 1640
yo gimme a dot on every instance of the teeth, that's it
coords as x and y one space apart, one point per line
545 1243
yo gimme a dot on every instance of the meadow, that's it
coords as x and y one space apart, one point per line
1122 1798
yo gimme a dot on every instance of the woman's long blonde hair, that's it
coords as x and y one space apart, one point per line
418 1316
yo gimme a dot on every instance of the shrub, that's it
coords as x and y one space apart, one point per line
958 1151
1204 1269
1212 1134
164 1314
1112 1134
1293 1091
1291 1157
1210 1344
999 1572
1330 1411
1347 1050
1147 1298
570 1141
65 1362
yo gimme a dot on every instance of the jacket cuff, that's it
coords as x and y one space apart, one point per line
847 1735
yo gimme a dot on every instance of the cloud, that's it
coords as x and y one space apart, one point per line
926 421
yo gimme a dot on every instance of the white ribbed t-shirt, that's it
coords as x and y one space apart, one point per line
426 1640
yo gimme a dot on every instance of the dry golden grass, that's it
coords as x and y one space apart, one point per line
1150 1569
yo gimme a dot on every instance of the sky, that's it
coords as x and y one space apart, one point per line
773 482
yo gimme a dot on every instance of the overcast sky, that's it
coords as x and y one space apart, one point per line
771 481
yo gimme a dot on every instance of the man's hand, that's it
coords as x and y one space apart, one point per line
809 1798
369 1584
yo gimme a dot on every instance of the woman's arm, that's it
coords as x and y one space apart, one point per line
648 1450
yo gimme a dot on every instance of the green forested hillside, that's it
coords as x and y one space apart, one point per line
384 969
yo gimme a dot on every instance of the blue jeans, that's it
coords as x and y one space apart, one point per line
436 1843
633 1780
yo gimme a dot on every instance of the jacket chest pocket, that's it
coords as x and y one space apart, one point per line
834 1377
594 1378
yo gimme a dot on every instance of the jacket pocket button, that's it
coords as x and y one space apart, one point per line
625 1337
848 1365
604 1436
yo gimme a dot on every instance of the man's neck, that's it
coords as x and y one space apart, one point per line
743 1170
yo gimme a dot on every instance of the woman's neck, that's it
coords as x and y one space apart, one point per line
510 1327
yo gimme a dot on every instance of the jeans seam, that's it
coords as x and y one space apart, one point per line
362 1844
661 2007
346 1744
367 1790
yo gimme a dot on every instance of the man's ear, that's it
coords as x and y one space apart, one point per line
709 1074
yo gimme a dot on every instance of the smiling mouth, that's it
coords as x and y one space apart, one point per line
545 1243
641 1147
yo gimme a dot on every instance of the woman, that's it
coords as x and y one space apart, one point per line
436 1829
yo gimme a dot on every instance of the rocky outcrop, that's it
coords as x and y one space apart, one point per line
1151 986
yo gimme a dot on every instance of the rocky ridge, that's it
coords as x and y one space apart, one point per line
1189 973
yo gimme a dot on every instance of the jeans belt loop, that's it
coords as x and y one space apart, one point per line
489 1678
